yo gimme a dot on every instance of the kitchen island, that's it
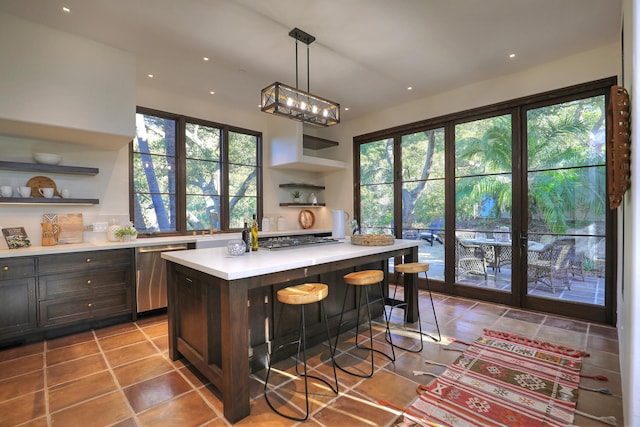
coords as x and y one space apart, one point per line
214 303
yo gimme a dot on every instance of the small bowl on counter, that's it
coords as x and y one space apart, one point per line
236 247
47 158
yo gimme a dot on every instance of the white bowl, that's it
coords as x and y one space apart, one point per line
47 158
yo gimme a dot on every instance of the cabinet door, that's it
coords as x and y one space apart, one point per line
192 314
17 305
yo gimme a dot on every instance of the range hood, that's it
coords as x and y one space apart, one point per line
292 149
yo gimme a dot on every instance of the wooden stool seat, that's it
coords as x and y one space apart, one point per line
303 294
365 277
412 267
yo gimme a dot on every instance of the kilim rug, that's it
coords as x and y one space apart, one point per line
502 380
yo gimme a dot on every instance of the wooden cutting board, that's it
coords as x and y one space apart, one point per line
71 227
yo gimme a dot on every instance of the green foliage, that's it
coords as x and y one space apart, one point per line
155 167
566 178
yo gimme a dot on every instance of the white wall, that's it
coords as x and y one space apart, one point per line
65 86
55 78
629 234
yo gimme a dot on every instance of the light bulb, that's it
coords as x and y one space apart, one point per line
303 105
314 109
289 102
325 113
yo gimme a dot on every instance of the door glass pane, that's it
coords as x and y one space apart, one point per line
423 196
483 203
567 200
376 187
202 148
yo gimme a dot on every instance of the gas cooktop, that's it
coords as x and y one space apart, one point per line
291 242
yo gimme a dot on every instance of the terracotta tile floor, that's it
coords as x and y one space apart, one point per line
122 376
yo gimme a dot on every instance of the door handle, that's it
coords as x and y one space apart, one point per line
523 240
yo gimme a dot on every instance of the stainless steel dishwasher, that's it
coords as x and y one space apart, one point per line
151 276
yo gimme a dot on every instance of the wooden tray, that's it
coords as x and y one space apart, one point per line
71 227
38 182
372 240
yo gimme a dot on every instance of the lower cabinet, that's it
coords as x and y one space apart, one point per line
17 296
85 294
41 295
18 312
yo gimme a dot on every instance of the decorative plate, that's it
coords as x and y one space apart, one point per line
306 218
41 182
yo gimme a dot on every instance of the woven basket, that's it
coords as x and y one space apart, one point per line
372 239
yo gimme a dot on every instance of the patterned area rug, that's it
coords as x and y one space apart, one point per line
502 380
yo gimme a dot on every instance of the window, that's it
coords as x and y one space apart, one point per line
190 175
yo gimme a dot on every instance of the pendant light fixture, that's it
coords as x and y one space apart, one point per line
297 104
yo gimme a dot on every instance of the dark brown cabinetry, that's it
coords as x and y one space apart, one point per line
41 295
83 286
17 296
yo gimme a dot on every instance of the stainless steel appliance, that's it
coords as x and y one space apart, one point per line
151 276
289 242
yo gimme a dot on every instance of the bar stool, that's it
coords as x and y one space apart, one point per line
413 268
363 279
302 295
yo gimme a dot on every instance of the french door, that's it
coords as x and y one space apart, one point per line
530 207
509 204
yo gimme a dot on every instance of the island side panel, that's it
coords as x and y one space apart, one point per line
411 288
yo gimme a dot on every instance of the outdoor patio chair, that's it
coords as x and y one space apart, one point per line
432 234
552 264
470 259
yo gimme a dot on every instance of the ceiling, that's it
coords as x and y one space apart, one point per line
366 54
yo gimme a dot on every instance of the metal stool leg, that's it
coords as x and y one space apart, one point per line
419 331
370 348
301 342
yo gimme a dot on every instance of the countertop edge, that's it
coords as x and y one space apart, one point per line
139 242
217 262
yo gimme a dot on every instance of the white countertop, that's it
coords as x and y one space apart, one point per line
217 262
142 241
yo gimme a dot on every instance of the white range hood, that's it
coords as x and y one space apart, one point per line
292 149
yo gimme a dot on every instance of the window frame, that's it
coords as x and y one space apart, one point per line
180 171
448 122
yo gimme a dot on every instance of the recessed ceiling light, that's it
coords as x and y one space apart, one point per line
409 88
66 9
212 92
205 58
150 76
512 55
346 108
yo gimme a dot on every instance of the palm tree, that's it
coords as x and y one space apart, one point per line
560 158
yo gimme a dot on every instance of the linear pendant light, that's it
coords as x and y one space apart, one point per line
296 104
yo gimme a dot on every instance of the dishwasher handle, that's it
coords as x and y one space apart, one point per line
151 249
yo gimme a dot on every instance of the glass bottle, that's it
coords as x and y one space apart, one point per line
246 237
254 234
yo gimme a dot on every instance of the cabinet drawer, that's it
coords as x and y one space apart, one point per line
79 309
59 263
11 268
82 283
